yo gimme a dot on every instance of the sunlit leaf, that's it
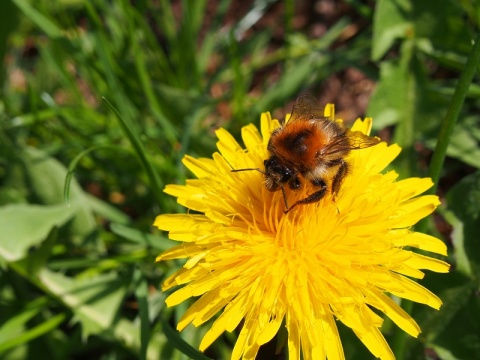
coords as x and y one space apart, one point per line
24 226
464 202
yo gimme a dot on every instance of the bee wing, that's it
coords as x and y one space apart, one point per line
350 140
359 140
305 108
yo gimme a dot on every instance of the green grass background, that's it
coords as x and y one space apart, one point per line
100 100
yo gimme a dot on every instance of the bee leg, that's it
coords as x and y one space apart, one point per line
316 196
284 197
294 184
338 178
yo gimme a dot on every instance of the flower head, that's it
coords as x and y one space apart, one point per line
335 259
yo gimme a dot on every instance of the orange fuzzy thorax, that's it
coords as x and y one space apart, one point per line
302 142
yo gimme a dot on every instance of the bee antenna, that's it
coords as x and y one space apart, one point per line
249 169
246 169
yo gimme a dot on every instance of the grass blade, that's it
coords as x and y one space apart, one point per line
180 344
450 119
45 24
156 183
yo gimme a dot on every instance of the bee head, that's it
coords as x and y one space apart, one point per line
277 173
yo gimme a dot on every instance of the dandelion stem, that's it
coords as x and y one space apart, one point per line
452 113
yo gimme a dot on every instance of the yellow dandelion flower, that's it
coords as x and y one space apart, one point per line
332 260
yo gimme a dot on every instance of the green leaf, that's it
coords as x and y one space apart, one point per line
13 327
16 331
106 210
453 289
388 100
441 23
464 144
46 177
461 258
44 23
294 79
133 137
148 240
434 24
396 100
8 22
390 22
141 66
73 164
24 226
180 344
403 97
95 301
37 259
32 333
464 202
141 292
454 109
463 323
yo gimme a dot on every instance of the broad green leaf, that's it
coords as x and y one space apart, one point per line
402 97
46 176
24 226
157 242
37 259
453 289
391 22
94 301
294 79
389 97
395 99
442 24
464 145
462 261
465 344
106 210
436 24
464 202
